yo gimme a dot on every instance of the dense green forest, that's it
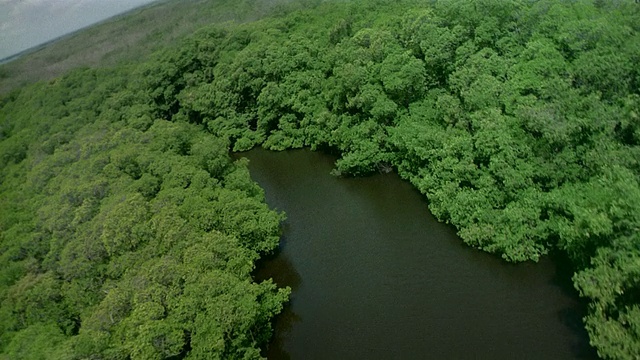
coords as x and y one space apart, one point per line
125 236
127 231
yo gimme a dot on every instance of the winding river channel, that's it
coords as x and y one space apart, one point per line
375 276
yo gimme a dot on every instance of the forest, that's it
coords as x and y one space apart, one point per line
127 232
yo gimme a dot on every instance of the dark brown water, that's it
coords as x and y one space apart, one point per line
375 276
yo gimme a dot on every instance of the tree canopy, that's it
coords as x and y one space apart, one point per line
125 235
126 231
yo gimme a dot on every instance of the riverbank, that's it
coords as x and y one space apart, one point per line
520 131
375 276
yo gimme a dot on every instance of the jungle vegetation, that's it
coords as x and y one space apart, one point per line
127 232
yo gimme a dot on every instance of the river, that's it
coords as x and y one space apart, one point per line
375 276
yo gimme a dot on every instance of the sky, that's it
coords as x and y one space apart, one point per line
28 23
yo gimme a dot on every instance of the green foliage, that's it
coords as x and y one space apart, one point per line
125 223
35 342
507 115
126 237
611 283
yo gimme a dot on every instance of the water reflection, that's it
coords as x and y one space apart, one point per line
278 267
375 276
284 324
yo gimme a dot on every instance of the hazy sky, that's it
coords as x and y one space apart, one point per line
27 23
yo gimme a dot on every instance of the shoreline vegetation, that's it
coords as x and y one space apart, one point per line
518 120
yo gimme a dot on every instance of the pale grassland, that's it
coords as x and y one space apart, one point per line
132 36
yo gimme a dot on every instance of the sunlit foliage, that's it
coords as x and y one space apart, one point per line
519 121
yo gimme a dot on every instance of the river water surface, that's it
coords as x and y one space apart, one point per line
375 276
